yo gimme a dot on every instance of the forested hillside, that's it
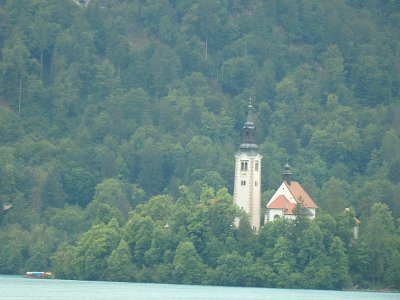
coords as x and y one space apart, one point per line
119 122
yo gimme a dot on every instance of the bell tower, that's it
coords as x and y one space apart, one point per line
247 186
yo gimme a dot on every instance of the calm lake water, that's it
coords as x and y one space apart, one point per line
16 287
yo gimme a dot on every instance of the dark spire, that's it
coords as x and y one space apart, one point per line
249 112
248 136
286 173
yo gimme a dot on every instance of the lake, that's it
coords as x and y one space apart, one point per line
16 287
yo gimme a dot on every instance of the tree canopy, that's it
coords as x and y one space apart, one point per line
119 121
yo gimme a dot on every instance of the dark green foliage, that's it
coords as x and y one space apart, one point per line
119 123
187 265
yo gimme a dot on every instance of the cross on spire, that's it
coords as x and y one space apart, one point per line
250 111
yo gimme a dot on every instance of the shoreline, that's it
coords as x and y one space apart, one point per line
383 290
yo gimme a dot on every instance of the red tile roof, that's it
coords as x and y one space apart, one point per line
281 202
300 195
290 209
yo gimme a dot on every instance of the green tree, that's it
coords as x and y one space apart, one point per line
339 265
309 245
392 275
345 223
317 276
42 243
256 273
197 226
244 235
283 262
338 141
335 195
116 105
221 214
8 178
160 244
229 270
188 267
264 83
10 128
111 192
106 80
53 194
79 185
326 223
62 262
14 250
374 191
43 30
125 111
165 66
209 21
65 95
379 240
238 73
200 153
158 208
119 263
15 67
359 263
333 73
152 177
371 79
138 233
93 250
68 220
213 250
105 213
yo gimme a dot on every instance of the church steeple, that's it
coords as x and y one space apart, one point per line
248 144
286 175
247 186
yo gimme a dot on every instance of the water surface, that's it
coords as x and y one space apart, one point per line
16 287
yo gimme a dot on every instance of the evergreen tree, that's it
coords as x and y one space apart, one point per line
188 267
127 114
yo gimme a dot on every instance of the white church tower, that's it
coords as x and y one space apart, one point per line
247 187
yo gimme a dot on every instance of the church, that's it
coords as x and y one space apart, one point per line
287 197
247 184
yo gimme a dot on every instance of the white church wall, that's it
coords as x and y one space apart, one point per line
247 187
283 190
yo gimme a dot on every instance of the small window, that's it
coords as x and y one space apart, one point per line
256 167
243 165
243 182
256 183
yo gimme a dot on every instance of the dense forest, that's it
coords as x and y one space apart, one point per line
119 121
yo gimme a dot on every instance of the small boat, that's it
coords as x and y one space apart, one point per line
39 275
